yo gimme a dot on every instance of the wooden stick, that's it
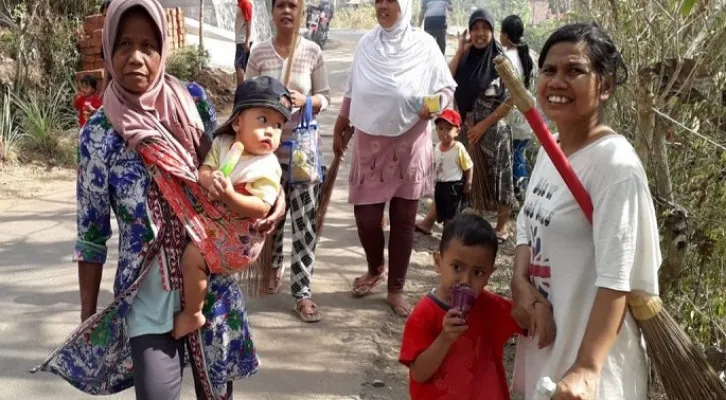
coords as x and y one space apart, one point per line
293 44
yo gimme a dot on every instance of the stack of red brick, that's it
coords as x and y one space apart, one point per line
176 34
91 44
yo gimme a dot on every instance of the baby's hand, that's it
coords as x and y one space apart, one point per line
453 325
222 188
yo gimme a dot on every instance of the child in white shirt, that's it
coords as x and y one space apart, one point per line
453 166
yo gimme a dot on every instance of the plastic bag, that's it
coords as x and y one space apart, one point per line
305 156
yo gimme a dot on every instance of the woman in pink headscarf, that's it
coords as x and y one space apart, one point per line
138 157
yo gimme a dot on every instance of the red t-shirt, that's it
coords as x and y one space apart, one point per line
80 102
473 369
246 7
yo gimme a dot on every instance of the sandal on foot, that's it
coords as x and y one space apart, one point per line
362 288
273 287
307 310
402 309
502 239
419 229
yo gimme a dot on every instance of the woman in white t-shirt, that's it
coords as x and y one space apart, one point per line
572 274
510 36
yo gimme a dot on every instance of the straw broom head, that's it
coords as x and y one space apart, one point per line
681 365
326 192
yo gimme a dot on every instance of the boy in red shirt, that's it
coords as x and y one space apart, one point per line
87 101
449 357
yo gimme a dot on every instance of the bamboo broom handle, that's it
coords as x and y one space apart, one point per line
293 44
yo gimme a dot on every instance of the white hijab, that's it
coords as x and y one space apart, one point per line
392 71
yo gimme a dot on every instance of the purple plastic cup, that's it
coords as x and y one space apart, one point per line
463 298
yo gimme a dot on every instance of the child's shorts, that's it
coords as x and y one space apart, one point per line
448 197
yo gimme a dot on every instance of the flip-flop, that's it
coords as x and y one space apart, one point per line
307 310
419 229
401 309
502 239
362 288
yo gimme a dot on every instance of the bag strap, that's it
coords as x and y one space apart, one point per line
306 117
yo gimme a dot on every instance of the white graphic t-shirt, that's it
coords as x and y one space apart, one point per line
572 258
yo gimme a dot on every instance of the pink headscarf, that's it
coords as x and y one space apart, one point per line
165 108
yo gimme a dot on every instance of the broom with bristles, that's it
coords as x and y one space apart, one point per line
255 280
681 365
326 191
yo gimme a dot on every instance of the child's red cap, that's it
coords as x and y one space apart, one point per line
451 116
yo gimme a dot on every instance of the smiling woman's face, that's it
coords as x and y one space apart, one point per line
137 52
481 34
568 89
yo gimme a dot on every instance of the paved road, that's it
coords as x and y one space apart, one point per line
329 360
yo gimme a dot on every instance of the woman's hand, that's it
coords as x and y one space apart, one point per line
476 132
298 99
424 113
266 225
339 147
579 383
533 312
464 41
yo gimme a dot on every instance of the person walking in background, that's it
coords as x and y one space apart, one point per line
517 51
433 16
395 67
308 78
243 38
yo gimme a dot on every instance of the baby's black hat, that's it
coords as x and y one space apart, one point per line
260 91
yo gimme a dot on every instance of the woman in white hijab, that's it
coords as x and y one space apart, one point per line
395 67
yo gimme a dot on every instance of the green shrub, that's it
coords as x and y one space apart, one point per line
187 63
43 117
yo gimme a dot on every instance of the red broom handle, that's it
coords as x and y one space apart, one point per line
525 103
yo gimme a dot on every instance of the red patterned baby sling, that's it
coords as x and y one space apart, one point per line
228 242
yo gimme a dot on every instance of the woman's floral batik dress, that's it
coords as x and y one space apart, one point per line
96 357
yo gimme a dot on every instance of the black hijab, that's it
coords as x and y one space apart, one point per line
476 69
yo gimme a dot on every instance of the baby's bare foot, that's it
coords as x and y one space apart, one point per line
186 323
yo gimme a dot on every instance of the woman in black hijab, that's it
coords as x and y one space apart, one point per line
481 100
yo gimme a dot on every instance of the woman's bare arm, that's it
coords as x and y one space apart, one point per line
603 327
89 281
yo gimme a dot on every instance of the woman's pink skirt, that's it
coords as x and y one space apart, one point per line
384 167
